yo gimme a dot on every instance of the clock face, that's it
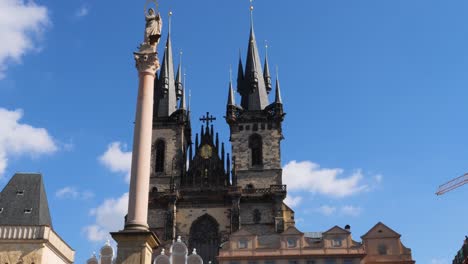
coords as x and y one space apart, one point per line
206 151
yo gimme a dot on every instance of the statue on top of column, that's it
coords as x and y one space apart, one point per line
153 29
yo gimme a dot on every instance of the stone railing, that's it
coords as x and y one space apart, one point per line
261 191
38 233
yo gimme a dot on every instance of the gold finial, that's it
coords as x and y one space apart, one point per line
251 5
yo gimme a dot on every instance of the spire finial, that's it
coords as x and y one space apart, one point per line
230 73
170 22
266 48
251 13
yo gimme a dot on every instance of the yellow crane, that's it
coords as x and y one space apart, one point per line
453 184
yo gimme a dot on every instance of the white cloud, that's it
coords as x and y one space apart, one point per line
326 210
350 210
18 139
82 11
309 176
73 193
293 201
109 217
21 24
116 159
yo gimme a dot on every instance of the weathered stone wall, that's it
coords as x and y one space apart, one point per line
174 138
247 213
270 172
186 216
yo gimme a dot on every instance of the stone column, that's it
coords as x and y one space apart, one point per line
136 242
147 64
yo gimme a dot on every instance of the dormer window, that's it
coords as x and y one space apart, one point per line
20 192
1 210
243 244
336 242
292 242
382 249
28 210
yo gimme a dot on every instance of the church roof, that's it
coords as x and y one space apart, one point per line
23 201
252 86
380 230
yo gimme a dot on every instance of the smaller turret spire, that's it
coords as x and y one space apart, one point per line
231 98
178 80
266 70
278 99
182 105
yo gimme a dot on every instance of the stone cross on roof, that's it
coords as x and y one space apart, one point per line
207 119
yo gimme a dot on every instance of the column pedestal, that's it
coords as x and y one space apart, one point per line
135 247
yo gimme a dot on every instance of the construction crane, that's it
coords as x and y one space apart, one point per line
453 184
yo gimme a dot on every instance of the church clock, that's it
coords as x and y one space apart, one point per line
206 151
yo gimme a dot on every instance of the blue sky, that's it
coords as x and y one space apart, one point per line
375 94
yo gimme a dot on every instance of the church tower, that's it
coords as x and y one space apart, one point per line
171 125
256 134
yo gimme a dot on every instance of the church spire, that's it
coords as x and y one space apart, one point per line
254 93
231 98
178 80
266 71
165 87
278 99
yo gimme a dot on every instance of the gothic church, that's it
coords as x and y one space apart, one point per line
199 192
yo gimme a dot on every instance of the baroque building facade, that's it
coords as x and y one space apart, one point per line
26 232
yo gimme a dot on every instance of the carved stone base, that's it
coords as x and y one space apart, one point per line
135 247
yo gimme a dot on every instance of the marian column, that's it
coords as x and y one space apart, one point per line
136 241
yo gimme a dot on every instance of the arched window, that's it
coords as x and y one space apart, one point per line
255 145
160 155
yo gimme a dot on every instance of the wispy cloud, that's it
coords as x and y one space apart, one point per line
346 210
109 217
350 210
17 139
21 24
82 11
69 192
117 159
293 201
326 210
309 176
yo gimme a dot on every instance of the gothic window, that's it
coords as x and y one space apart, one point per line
256 149
160 155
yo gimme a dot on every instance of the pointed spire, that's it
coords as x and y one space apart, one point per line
266 70
278 99
254 93
165 90
240 75
182 105
231 98
178 81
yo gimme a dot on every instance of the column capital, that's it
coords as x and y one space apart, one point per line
146 62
